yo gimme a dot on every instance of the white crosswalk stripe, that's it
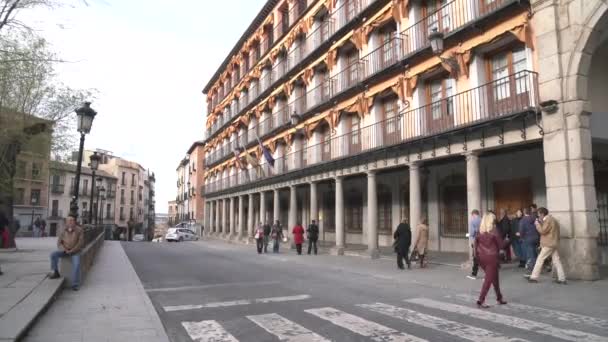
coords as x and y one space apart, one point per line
547 313
285 329
457 329
235 303
519 323
207 331
374 331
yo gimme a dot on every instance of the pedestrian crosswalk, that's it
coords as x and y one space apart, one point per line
412 320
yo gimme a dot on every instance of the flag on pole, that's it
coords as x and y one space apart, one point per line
239 163
266 153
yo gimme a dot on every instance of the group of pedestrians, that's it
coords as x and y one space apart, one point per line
492 239
264 235
403 240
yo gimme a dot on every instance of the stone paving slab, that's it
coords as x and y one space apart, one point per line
111 306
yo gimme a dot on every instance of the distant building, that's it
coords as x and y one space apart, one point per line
61 190
172 213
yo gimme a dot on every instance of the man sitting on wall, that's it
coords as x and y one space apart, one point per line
69 244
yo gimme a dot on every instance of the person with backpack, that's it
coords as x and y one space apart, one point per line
313 236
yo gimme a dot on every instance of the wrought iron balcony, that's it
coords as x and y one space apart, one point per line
505 97
57 188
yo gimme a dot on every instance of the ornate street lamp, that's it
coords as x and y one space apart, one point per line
436 39
100 191
94 164
85 116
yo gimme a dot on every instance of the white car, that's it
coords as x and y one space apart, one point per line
138 237
180 234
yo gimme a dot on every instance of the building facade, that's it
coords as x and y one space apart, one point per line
182 199
172 217
100 205
135 194
196 169
362 113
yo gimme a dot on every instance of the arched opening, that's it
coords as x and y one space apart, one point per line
597 88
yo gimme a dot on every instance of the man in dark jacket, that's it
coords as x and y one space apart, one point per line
266 227
403 239
529 238
504 227
313 236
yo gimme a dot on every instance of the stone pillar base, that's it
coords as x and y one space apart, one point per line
373 253
579 256
337 250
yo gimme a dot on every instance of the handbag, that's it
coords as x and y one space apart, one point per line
257 235
414 256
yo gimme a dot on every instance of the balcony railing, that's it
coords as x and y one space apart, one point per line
514 94
57 188
56 214
383 57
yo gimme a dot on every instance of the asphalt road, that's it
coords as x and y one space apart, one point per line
214 291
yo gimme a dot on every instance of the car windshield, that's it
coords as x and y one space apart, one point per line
171 230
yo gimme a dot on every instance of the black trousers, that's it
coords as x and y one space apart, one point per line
311 243
299 248
400 258
260 245
475 266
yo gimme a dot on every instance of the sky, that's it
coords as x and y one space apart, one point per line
149 61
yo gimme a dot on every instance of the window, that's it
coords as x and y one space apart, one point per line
36 170
132 197
355 133
353 210
351 8
391 120
122 213
385 203
122 196
440 111
325 143
85 187
389 49
352 59
123 182
438 16
55 208
35 197
20 170
108 210
509 81
19 196
85 208
133 179
130 213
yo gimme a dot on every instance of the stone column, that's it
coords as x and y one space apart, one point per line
250 222
217 217
372 216
275 206
209 228
241 228
263 208
339 248
473 183
314 205
224 218
293 209
232 223
415 198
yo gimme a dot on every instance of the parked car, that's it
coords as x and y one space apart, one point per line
180 234
138 237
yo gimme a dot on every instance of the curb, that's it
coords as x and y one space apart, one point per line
15 324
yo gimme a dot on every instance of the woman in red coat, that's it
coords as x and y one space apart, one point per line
487 248
298 237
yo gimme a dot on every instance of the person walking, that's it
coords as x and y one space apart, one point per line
504 229
313 236
422 241
298 237
276 234
259 237
403 240
474 223
530 239
515 238
266 236
3 232
548 228
487 249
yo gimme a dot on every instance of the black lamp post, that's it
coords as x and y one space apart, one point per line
98 207
94 164
85 116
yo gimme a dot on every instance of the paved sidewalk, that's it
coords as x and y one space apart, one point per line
112 305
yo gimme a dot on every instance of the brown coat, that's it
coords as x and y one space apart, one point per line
71 241
422 239
549 232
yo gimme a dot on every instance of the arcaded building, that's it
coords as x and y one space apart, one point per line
362 113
